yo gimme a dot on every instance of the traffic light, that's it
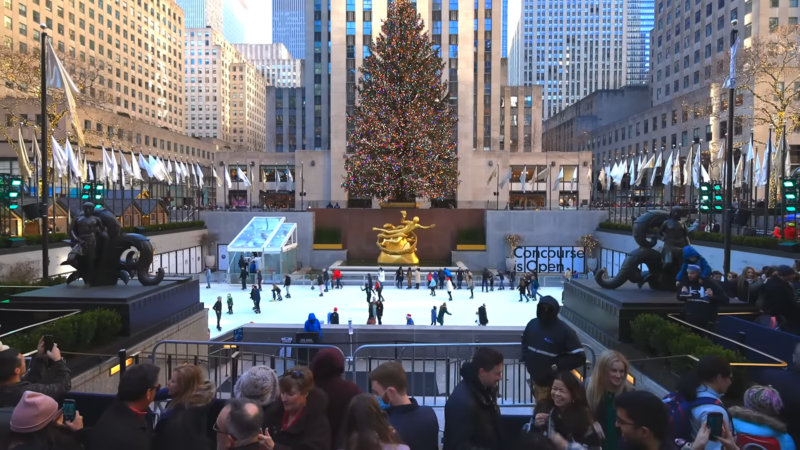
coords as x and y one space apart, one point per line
99 193
789 194
705 197
86 192
718 199
14 188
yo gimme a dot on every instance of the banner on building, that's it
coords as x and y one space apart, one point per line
549 259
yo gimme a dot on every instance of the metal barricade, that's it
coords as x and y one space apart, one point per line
226 361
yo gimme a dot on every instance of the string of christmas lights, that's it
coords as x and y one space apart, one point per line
401 146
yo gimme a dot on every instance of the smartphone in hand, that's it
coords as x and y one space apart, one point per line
714 421
69 410
48 343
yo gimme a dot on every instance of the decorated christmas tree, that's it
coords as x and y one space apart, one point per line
402 146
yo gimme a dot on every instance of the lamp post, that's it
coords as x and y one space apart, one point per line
727 220
43 127
302 185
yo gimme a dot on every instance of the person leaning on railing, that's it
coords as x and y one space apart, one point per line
15 380
184 422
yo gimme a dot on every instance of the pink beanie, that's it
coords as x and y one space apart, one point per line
33 412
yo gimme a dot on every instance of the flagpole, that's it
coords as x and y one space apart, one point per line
728 223
43 125
497 180
768 163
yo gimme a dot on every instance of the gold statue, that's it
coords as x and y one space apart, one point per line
398 244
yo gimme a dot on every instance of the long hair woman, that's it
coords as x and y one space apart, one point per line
366 427
567 413
748 285
609 379
184 424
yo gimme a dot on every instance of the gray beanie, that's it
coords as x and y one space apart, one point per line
259 383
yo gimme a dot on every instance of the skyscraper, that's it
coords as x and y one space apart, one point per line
571 47
233 14
202 13
275 63
288 17
640 23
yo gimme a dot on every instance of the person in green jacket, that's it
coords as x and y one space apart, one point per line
442 311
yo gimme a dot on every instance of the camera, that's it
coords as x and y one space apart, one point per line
735 22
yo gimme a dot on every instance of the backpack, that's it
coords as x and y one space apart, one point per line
680 413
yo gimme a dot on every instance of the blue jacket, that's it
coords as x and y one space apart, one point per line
433 314
689 252
756 424
409 321
312 324
417 425
436 276
447 273
700 413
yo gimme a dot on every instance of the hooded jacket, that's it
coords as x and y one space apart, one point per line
753 423
482 319
690 252
311 430
474 408
328 367
312 324
433 314
334 318
701 308
548 341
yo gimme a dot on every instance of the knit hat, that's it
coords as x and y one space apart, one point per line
763 399
259 383
693 268
33 412
785 271
408 316
3 347
335 309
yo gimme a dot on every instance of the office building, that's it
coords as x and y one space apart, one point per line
640 23
288 16
234 13
285 119
203 13
275 63
225 93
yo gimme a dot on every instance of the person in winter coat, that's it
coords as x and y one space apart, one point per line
313 325
326 279
748 285
702 297
459 278
440 276
483 320
379 290
417 278
432 287
371 310
511 275
259 278
609 380
37 424
337 275
299 420
448 274
442 311
491 281
230 304
366 426
450 289
333 319
485 280
15 379
218 310
183 424
408 278
778 298
243 278
368 289
287 281
436 278
567 414
276 294
471 285
320 283
522 291
208 277
691 256
409 320
533 286
398 278
472 406
501 277
381 275
433 315
328 368
760 417
548 342
255 296
379 311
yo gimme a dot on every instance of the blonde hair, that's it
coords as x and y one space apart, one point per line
193 388
597 384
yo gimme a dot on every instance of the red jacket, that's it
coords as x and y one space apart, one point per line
337 274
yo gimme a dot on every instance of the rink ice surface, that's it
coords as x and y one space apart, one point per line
503 307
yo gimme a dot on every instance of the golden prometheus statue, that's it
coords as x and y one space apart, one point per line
398 244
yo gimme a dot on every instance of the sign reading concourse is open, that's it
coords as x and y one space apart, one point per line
549 259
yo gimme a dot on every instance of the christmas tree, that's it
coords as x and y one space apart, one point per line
402 146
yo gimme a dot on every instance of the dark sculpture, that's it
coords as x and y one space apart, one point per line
662 266
102 254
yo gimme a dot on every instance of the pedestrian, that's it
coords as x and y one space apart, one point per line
381 275
408 278
326 279
299 420
449 289
448 274
643 421
483 319
367 427
259 278
333 318
533 289
440 276
433 315
568 275
230 304
459 277
523 291
259 384
491 281
182 424
218 310
471 285
379 311
485 280
702 297
371 314
379 290
435 275
432 287
418 276
320 283
337 275
37 423
313 325
472 417
287 281
608 381
368 289
409 320
511 278
398 278
47 374
243 277
761 416
255 295
500 276
328 368
276 294
208 277
567 414
442 311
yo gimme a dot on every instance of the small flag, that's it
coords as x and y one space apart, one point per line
37 156
730 83
199 175
227 177
506 179
574 178
647 165
558 179
655 168
114 166
105 173
491 177
90 172
125 166
750 156
696 168
243 177
145 165
57 77
759 176
602 177
59 158
137 169
25 169
676 170
523 178
687 167
666 179
216 177
289 175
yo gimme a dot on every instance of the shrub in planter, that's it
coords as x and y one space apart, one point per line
72 333
641 328
471 236
324 235
686 344
662 336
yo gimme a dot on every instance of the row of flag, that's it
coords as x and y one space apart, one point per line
542 176
241 176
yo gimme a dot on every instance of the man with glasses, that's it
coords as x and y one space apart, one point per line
128 423
239 426
643 421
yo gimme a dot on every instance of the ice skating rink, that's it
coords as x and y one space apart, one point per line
503 307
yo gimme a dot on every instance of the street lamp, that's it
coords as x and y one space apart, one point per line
726 219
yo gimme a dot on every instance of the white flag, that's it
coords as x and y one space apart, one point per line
737 174
730 83
720 162
666 179
655 168
136 166
216 177
704 174
90 172
614 171
74 166
750 156
558 179
291 178
227 177
57 77
621 171
125 166
760 172
59 158
106 170
696 168
506 178
114 167
199 175
243 177
574 178
632 170
37 155
25 169
687 167
647 165
676 170
523 178
602 177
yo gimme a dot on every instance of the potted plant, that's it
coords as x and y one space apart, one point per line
513 241
589 243
207 240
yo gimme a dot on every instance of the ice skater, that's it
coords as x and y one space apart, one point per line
485 280
449 289
533 288
368 289
440 276
436 278
459 277
433 315
432 286
259 278
470 285
255 296
276 293
442 311
218 311
320 283
409 320
287 281
379 311
501 277
417 277
379 290
408 278
326 279
333 317
523 291
398 278
208 277
511 275
381 275
243 277
491 281
230 304
483 320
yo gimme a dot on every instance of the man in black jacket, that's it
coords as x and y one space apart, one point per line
549 345
780 298
14 380
472 418
218 311
702 296
442 277
128 423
